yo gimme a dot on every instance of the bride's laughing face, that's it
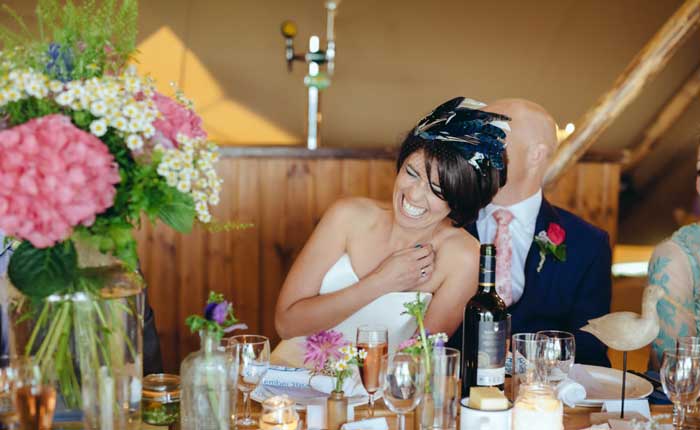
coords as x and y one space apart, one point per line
417 199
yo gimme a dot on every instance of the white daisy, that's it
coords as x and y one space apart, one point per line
134 142
98 127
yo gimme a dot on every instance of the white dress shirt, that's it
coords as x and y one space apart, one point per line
522 230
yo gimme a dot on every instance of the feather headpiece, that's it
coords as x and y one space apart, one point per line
476 133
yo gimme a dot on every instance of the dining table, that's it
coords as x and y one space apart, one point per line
574 418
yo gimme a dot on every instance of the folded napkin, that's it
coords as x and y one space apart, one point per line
294 377
594 389
368 424
570 392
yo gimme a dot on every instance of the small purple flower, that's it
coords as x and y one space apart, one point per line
60 63
217 312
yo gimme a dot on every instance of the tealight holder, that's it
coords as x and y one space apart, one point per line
537 407
278 413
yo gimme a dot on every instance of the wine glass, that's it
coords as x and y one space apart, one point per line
680 378
253 361
559 351
692 344
374 340
34 394
402 378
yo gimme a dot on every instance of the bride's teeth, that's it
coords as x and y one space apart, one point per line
412 210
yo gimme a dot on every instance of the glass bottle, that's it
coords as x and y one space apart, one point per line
485 330
205 374
537 407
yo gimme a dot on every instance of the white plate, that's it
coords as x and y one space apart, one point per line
611 382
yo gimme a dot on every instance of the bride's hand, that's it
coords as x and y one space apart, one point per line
406 269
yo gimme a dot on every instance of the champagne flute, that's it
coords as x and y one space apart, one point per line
253 361
680 378
402 378
559 351
35 395
374 340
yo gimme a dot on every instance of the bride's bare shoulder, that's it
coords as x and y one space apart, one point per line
356 210
457 245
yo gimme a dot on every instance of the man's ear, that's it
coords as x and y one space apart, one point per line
538 154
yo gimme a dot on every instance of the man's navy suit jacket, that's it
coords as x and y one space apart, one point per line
564 295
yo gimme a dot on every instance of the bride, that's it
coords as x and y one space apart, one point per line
366 258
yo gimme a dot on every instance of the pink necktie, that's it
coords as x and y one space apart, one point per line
504 255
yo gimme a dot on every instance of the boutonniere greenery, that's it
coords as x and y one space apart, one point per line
551 242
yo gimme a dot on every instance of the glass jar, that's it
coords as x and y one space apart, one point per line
537 407
160 402
207 387
278 413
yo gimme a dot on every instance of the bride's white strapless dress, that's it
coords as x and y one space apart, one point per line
386 310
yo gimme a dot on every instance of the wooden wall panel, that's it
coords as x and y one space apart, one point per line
285 198
591 191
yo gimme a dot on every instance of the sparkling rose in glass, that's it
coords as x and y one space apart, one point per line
374 340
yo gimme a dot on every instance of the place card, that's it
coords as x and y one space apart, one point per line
368 424
316 414
639 406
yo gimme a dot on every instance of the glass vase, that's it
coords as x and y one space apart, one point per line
336 410
208 384
93 342
440 403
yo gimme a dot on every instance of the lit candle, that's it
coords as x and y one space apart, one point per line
279 414
537 408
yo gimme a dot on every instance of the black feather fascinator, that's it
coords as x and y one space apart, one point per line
478 134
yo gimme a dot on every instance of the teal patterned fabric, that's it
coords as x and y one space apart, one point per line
679 318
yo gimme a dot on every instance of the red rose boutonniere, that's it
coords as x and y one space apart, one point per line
551 242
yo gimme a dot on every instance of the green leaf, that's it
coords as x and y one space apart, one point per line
38 273
560 252
179 212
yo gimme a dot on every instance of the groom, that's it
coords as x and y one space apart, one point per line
152 362
548 293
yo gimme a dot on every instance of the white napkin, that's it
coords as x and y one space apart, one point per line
594 389
603 426
294 377
368 424
570 392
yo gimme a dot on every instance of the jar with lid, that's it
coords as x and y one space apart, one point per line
537 407
160 403
278 413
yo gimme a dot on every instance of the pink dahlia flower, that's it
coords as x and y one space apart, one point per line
175 119
322 346
53 176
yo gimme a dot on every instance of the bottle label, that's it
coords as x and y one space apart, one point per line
491 359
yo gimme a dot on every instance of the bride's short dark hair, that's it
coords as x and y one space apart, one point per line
464 187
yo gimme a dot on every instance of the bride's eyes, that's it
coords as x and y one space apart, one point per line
412 173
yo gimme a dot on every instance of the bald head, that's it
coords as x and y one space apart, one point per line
531 142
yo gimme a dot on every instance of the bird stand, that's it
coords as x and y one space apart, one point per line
624 384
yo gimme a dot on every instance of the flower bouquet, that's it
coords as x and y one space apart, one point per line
210 376
331 355
89 149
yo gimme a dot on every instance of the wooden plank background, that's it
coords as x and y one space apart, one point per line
284 198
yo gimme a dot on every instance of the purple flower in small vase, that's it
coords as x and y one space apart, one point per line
217 312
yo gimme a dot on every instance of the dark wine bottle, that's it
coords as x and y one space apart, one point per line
485 326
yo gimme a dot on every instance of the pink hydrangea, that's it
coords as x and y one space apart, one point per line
175 119
53 176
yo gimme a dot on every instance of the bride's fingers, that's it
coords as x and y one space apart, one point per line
425 272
